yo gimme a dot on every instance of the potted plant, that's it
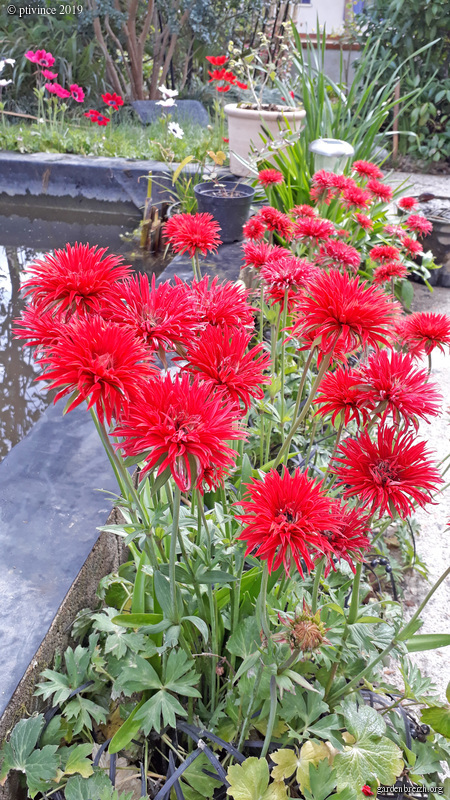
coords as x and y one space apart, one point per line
229 202
251 72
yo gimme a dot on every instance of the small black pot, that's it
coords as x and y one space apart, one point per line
231 209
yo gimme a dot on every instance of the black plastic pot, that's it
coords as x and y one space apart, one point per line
230 206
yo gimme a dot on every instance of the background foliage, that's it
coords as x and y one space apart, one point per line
406 27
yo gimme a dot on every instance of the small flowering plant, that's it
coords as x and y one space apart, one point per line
275 435
48 90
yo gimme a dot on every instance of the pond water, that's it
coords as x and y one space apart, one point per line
29 229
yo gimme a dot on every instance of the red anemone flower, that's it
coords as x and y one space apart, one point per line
256 255
303 210
287 276
419 224
340 394
160 315
379 190
275 220
423 331
254 229
384 252
365 222
313 229
241 85
193 233
219 303
79 279
412 246
367 169
76 92
268 177
284 517
220 359
114 100
391 269
38 328
391 474
339 254
183 427
95 116
395 386
355 197
407 203
97 361
225 88
351 538
342 310
217 61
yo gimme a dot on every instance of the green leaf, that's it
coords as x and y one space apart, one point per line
130 727
200 624
138 676
245 638
162 591
249 780
78 761
39 766
214 576
438 719
427 641
154 623
162 708
78 788
372 757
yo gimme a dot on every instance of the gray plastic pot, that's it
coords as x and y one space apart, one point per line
230 206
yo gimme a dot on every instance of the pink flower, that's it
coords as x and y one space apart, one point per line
419 224
49 75
407 203
40 57
56 88
365 222
77 92
379 190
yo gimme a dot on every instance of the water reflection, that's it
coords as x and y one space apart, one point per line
27 230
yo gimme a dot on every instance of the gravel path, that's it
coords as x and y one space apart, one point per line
433 544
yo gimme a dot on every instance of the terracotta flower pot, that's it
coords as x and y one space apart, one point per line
245 126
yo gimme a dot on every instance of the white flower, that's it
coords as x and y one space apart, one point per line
4 83
167 103
4 61
175 130
167 92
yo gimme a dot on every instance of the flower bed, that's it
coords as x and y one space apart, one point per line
240 648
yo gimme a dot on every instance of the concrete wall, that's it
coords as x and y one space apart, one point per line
329 12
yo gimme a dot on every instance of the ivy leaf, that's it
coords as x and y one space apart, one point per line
39 766
372 756
438 719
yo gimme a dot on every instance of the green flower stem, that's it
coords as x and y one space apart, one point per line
262 603
272 716
211 601
283 366
317 576
311 440
336 445
402 635
196 267
354 603
235 591
125 483
297 422
261 312
173 551
247 718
